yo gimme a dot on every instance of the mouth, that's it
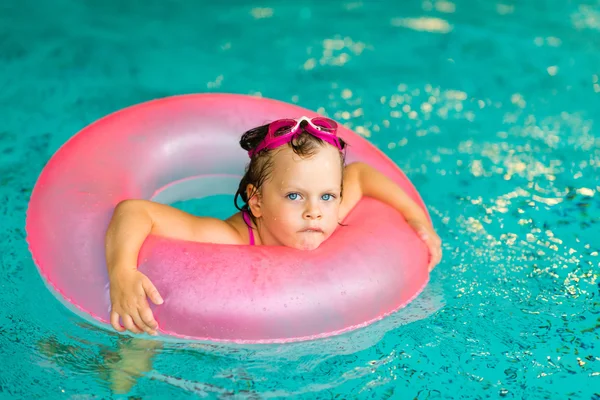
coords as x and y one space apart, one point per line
312 230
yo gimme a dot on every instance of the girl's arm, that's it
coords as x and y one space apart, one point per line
360 179
131 223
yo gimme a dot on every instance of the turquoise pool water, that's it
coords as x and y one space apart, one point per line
490 107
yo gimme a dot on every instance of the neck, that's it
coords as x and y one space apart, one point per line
263 235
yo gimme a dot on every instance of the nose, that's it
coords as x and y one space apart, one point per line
313 211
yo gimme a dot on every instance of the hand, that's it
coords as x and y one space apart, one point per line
431 239
132 360
128 292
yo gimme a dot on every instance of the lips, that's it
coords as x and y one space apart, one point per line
312 230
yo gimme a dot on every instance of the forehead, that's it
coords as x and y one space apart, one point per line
322 169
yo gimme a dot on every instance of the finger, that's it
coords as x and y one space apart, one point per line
431 264
128 322
429 237
152 292
137 320
148 318
430 250
435 260
135 316
114 321
433 254
423 234
436 257
432 245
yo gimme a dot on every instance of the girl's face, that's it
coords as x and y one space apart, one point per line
298 206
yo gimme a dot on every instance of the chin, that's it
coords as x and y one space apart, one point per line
311 244
308 246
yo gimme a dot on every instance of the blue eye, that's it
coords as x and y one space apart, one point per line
293 196
327 197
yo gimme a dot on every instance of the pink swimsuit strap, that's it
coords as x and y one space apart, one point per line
248 221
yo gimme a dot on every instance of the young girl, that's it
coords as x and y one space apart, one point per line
295 193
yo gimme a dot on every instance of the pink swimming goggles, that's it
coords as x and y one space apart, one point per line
284 131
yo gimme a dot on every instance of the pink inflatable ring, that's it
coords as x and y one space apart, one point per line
186 147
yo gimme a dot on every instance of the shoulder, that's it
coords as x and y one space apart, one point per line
213 230
352 191
352 172
237 223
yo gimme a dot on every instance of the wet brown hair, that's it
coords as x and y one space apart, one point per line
261 165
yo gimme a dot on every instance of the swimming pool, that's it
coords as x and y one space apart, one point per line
489 107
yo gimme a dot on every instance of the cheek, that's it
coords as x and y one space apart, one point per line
332 214
280 214
333 209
